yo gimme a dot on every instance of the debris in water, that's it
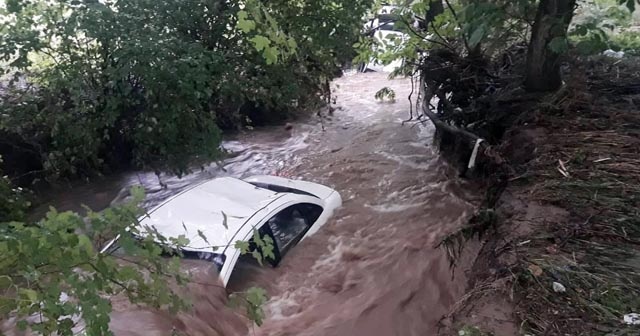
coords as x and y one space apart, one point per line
524 242
559 288
470 331
632 318
535 270
474 154
613 54
563 169
553 249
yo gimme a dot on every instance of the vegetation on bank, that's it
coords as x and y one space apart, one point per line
592 131
486 68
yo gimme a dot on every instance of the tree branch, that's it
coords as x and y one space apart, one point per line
424 38
455 16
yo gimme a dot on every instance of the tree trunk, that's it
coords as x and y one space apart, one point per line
436 7
543 64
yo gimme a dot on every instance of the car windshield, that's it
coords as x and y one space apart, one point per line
387 26
217 258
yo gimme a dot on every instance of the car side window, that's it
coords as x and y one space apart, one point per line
290 224
387 26
281 189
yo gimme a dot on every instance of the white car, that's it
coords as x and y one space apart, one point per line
384 30
226 210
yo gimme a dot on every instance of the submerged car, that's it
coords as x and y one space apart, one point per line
384 28
225 210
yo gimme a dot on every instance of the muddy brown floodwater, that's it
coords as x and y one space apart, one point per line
373 269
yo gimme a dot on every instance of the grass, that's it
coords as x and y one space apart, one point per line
596 135
588 163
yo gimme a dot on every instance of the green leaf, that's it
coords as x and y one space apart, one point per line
128 273
559 45
581 30
292 44
14 6
271 55
242 15
85 243
257 239
29 294
477 36
257 256
244 23
590 47
268 248
243 246
256 298
137 192
181 241
260 42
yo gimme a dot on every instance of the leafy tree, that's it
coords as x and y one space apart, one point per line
600 25
485 28
148 84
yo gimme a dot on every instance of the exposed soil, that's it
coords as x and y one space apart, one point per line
569 216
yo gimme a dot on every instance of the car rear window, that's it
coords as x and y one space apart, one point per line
281 189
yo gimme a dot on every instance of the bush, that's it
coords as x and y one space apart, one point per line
52 270
149 83
628 41
13 204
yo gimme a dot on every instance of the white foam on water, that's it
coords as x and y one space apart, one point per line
387 208
278 305
405 160
337 246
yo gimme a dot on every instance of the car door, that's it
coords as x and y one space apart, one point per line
289 223
276 222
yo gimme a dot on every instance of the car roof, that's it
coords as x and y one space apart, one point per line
217 208
311 188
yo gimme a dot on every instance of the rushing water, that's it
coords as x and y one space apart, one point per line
373 269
